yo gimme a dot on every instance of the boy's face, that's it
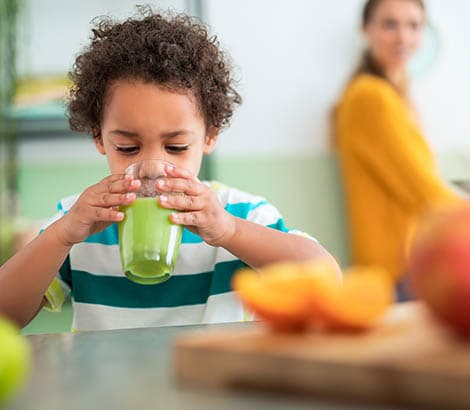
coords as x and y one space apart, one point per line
144 121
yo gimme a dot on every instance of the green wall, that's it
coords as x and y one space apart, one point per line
51 322
305 189
42 184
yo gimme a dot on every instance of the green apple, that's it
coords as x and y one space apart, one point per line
15 358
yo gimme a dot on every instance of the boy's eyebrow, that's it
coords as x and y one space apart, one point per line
125 133
175 133
169 134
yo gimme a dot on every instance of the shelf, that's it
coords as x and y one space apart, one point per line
40 121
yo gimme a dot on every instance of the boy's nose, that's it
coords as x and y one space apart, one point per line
155 154
158 154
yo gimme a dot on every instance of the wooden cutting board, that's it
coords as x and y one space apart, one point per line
407 359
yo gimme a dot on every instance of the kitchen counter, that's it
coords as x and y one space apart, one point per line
133 369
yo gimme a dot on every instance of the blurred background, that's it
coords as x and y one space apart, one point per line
292 60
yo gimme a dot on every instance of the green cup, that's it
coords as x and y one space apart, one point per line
148 242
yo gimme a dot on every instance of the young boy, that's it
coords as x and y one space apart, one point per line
150 87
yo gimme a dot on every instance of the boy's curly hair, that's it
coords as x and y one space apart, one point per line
173 51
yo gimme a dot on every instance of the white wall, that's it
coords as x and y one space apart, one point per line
443 93
294 57
54 31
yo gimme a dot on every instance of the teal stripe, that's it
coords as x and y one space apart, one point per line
64 270
223 274
107 237
279 225
189 237
110 235
65 273
242 209
180 290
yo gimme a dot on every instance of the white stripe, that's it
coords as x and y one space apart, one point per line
200 257
224 307
264 215
96 258
303 234
220 308
69 201
66 204
235 196
51 220
99 259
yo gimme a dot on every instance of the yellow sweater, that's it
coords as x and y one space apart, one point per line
389 174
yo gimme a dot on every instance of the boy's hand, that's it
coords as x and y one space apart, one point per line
97 208
201 211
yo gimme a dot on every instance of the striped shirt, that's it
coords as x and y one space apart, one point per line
199 291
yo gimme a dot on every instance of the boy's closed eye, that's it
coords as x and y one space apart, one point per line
175 148
133 149
127 149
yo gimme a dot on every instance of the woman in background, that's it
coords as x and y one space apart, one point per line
388 170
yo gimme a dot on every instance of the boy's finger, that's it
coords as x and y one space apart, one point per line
187 186
105 183
124 185
106 200
181 202
176 172
188 218
113 178
107 214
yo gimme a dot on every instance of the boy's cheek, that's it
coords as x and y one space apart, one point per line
117 166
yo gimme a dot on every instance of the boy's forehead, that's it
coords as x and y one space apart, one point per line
148 91
135 101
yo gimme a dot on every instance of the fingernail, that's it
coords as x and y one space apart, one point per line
120 215
130 196
163 198
128 177
135 183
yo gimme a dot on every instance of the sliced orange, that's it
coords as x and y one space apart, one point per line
281 294
294 296
365 295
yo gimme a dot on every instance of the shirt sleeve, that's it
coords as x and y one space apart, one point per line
264 213
383 138
252 208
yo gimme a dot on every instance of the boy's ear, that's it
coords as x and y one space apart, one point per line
99 143
211 140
